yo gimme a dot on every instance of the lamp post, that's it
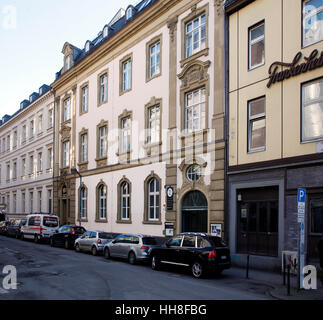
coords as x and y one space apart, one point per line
75 171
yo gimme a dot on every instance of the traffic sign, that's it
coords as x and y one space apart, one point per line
301 197
301 207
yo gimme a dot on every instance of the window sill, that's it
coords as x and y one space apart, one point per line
257 150
152 222
148 79
192 133
101 221
256 66
49 170
124 221
66 122
121 93
204 52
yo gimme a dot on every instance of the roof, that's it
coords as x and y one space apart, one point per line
117 23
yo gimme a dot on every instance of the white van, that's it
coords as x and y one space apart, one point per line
39 227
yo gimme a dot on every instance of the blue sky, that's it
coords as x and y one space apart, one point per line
32 35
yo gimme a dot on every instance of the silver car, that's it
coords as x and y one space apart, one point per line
134 247
93 241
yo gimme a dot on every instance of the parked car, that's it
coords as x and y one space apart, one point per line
14 227
4 227
200 252
66 236
39 227
134 247
93 241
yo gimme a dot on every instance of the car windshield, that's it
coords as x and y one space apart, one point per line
104 235
149 241
217 242
51 222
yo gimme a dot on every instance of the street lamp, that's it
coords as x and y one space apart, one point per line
75 171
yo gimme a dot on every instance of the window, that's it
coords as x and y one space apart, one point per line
67 109
153 199
8 143
312 21
256 46
102 193
126 75
50 200
105 31
316 212
175 242
31 202
125 201
103 88
15 139
14 171
83 147
129 13
66 154
125 134
23 167
24 134
256 125
153 124
312 111
31 164
40 123
14 202
50 119
40 162
39 201
50 158
23 202
194 173
154 60
195 35
32 129
8 172
103 142
85 99
83 203
87 46
67 63
195 110
189 242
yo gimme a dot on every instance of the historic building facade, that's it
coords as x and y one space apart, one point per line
275 126
26 156
140 116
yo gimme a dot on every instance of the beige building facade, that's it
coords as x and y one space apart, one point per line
140 116
275 126
26 156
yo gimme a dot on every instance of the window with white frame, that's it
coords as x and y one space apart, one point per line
103 88
153 199
126 75
67 63
8 171
84 145
256 125
49 158
312 21
195 110
83 203
105 31
153 124
256 46
103 142
14 170
67 109
31 202
32 128
15 139
31 164
125 201
40 162
125 134
40 123
154 60
312 111
23 167
129 13
102 202
23 202
24 133
8 142
50 118
85 99
195 35
40 201
66 154
194 172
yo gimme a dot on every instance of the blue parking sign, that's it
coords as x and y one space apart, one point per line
301 195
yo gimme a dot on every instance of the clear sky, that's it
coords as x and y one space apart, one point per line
32 35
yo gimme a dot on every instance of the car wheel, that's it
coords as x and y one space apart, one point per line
107 253
94 251
77 248
155 263
67 244
52 243
132 258
197 269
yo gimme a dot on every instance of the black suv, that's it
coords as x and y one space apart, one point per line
200 252
66 236
14 228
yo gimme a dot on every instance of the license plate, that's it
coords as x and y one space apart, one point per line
223 257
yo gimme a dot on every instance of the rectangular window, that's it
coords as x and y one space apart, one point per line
40 162
83 203
50 200
67 109
125 134
50 158
24 133
126 75
103 88
84 147
50 118
195 110
256 125
39 201
85 99
154 59
31 202
312 21
195 35
23 202
31 164
66 154
154 124
256 46
312 111
14 171
103 142
15 139
8 143
14 202
23 167
32 129
40 123
8 172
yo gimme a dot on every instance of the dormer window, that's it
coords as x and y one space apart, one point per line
129 13
105 31
68 63
87 46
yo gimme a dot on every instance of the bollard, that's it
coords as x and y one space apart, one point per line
288 280
247 271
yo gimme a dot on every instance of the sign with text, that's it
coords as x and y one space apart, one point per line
301 195
170 198
301 204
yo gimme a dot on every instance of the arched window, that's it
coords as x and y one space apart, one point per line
87 46
125 201
153 199
105 31
102 197
129 13
83 203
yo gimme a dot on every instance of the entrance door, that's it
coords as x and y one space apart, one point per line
194 212
315 224
258 221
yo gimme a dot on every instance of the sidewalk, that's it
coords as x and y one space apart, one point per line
276 290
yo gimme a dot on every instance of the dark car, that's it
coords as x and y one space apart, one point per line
66 236
14 227
4 227
200 252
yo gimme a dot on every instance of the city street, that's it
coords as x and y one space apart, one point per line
50 273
